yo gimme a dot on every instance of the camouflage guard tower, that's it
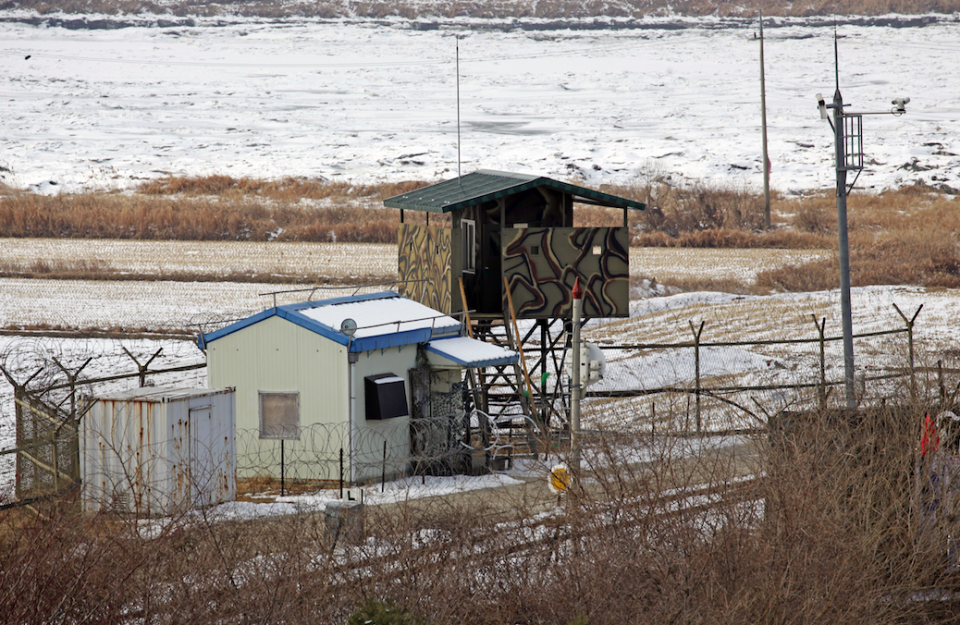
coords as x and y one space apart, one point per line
519 228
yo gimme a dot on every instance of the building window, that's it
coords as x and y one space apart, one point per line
468 230
280 415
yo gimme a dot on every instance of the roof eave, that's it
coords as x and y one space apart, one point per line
581 195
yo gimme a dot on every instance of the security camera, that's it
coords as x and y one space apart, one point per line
822 106
899 105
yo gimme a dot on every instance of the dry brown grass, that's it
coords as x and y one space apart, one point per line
213 208
909 236
892 236
284 190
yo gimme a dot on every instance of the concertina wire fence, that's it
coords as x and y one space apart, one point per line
322 452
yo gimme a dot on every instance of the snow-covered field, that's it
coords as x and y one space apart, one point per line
337 261
378 101
749 319
165 304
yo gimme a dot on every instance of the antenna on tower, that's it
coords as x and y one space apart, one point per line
836 56
459 174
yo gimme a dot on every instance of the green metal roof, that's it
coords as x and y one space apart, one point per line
487 185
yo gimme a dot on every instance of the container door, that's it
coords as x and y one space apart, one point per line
202 466
181 462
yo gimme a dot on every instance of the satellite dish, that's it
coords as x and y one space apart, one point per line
348 327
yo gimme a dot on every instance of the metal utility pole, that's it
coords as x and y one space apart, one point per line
848 156
845 307
763 118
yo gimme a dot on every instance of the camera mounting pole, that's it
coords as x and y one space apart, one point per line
848 154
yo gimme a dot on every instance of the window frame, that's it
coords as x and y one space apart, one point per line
284 434
468 239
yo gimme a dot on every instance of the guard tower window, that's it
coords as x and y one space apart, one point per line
279 415
468 229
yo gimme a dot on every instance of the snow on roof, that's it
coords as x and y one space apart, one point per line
382 316
383 320
161 394
468 352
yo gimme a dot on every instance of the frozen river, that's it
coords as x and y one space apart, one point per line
378 101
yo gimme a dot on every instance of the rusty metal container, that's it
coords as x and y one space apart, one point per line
157 451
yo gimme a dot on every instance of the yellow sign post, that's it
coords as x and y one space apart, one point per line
559 478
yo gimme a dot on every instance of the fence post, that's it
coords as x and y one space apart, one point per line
56 460
653 421
942 389
142 368
383 473
909 322
822 387
696 366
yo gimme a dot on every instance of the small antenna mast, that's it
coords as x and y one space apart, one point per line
459 174
836 55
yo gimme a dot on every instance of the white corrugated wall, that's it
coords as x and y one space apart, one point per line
276 355
156 456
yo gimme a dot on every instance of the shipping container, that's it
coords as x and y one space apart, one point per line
159 450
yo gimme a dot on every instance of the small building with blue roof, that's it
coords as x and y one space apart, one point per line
346 382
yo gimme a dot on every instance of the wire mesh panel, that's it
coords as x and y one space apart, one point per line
440 424
853 142
48 456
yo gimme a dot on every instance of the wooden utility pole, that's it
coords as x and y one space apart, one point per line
763 118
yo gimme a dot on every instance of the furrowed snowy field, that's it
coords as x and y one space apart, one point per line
164 304
377 101
347 261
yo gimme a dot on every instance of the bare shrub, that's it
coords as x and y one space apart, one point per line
55 566
674 210
818 275
815 218
813 522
